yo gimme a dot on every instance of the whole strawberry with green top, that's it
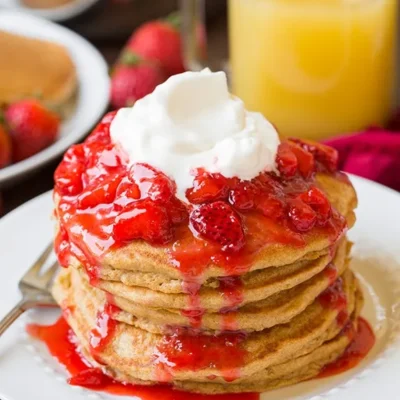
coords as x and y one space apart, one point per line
160 41
132 79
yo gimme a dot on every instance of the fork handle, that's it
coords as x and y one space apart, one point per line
19 309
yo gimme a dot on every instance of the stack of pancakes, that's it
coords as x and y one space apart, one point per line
293 311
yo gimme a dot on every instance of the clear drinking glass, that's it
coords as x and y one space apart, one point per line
314 68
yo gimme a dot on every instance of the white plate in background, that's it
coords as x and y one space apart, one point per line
60 13
93 90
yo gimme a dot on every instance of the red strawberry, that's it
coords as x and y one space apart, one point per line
207 187
301 215
220 223
286 161
327 157
270 206
305 160
32 128
244 195
317 200
101 133
5 147
133 80
143 219
159 41
91 377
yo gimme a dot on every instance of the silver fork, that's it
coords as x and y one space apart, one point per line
35 289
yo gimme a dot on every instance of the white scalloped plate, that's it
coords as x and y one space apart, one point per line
28 372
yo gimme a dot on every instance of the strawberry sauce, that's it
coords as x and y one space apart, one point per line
61 343
362 342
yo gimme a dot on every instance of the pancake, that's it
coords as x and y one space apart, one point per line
36 68
139 255
131 350
256 286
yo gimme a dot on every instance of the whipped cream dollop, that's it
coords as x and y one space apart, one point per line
192 121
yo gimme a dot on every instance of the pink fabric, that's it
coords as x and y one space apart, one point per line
373 154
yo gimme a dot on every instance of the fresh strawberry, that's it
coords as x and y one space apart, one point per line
301 215
207 187
133 79
32 128
5 147
91 377
159 41
220 223
286 161
327 157
143 219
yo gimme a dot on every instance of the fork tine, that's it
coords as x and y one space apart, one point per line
48 275
35 269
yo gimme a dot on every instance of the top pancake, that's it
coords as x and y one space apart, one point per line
142 256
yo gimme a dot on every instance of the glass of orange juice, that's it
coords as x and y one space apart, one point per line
315 68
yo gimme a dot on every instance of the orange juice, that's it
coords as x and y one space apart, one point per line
315 68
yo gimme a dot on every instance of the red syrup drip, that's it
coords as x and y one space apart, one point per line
105 328
194 312
187 349
232 289
334 297
362 342
61 342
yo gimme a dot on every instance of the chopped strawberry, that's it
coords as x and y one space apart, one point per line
89 378
244 195
207 187
128 189
305 160
159 41
68 178
32 128
152 183
143 219
5 147
101 133
220 223
286 161
271 207
301 215
134 81
103 193
327 157
177 211
317 200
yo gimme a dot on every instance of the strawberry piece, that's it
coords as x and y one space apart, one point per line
305 160
5 147
161 42
101 133
132 82
220 223
177 211
152 183
327 157
286 161
271 207
127 190
68 178
32 128
301 215
243 196
317 200
89 378
207 187
103 193
143 219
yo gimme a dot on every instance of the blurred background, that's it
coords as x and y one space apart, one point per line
323 70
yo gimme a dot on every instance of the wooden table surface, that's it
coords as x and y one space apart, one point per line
107 26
